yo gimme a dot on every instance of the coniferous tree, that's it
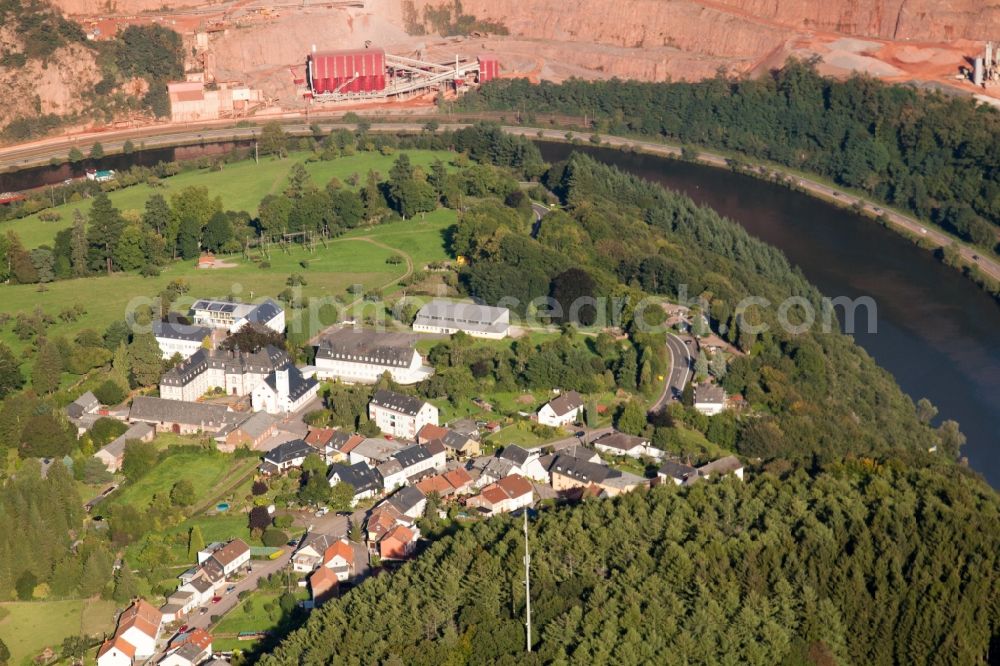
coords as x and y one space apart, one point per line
47 371
145 359
78 246
126 585
103 232
11 378
156 215
196 543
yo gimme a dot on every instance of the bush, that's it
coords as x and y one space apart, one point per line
258 488
283 522
110 393
273 537
106 429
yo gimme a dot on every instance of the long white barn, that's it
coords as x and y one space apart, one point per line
360 356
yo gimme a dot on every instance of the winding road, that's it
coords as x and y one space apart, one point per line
680 371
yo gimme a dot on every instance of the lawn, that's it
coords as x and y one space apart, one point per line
29 627
108 298
204 471
251 615
241 186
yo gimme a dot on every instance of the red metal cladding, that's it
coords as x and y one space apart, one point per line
359 70
489 68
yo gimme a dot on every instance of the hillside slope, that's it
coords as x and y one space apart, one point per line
863 564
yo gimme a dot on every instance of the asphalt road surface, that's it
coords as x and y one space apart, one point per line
680 371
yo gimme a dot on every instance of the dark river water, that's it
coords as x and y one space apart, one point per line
937 333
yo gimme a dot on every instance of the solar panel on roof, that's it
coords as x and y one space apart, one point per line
228 307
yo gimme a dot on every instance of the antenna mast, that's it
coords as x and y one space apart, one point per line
527 579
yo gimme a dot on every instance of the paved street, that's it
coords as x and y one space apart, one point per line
680 371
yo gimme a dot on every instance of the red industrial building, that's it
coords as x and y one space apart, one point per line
350 71
489 68
371 73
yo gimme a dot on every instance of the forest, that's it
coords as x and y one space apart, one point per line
929 153
795 569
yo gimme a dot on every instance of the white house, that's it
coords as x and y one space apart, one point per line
679 473
400 415
189 649
361 356
309 553
365 480
722 466
508 494
234 316
284 391
709 399
286 456
620 444
411 462
116 651
481 321
233 372
183 339
562 411
339 558
232 557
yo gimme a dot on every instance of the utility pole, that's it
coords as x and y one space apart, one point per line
527 579
255 156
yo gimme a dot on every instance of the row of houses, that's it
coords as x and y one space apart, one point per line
137 636
217 563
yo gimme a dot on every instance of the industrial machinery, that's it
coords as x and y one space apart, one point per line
371 73
986 68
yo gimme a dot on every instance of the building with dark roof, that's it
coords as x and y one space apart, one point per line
448 317
362 356
284 391
177 338
285 456
246 430
401 415
85 404
562 411
365 480
234 316
409 501
234 372
677 472
176 416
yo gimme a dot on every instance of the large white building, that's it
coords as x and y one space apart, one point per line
175 338
234 316
709 399
401 415
481 321
284 391
360 356
562 411
237 373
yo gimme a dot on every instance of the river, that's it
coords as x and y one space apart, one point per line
937 332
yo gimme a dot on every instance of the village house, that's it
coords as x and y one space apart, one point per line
457 445
135 637
322 586
188 649
408 501
232 372
722 466
398 543
184 418
570 473
709 399
400 415
246 430
677 472
410 463
85 404
339 558
382 519
321 439
454 482
285 456
365 480
362 356
514 460
234 316
284 391
113 454
374 451
309 553
183 339
562 411
342 444
508 494
448 317
619 444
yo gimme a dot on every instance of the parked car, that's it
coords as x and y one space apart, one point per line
216 599
182 629
202 610
230 589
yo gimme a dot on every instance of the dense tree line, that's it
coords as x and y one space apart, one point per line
930 153
804 569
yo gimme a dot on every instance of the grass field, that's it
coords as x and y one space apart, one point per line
205 472
29 627
240 185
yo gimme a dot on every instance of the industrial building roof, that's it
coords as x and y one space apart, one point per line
160 410
465 316
358 345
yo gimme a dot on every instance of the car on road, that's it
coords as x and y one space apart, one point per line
975 257
230 589
202 610
216 599
182 629
922 230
